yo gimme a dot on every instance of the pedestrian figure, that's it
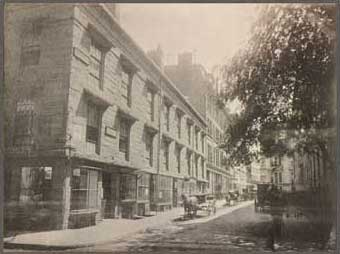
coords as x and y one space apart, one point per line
276 210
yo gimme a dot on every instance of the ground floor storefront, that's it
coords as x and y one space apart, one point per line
218 184
60 193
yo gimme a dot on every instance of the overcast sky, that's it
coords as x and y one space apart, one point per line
212 31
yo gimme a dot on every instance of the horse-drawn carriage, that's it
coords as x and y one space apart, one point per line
196 202
232 197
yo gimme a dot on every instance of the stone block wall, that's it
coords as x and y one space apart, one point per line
47 27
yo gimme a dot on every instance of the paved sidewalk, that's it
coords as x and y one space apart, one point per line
104 232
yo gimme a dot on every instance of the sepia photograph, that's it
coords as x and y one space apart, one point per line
170 127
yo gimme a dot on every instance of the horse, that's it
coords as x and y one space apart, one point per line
190 205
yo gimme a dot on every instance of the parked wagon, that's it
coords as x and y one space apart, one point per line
232 197
203 202
208 203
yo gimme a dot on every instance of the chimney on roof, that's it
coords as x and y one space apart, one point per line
156 56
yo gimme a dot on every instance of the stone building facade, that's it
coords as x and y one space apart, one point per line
94 129
199 87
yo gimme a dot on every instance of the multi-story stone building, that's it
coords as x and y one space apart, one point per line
94 129
200 88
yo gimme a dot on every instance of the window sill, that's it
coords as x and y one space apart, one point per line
91 141
128 200
143 201
83 211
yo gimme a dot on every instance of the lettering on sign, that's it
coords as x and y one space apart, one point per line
111 132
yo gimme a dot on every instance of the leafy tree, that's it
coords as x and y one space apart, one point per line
285 79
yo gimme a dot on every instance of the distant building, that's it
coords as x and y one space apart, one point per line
199 87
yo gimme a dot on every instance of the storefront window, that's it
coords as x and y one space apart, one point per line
84 189
165 189
128 187
36 183
143 187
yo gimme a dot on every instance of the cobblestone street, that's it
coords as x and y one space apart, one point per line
241 230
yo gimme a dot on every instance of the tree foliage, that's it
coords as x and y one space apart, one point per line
284 78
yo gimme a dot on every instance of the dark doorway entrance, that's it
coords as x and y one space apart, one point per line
108 196
175 193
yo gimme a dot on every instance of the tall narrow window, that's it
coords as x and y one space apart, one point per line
178 123
202 168
196 166
166 112
202 143
196 140
149 148
96 64
178 158
24 122
30 54
124 137
189 163
210 154
150 96
93 123
126 81
165 153
280 177
189 132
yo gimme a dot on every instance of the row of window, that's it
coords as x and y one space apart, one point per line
97 53
277 178
215 111
198 161
214 132
215 156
